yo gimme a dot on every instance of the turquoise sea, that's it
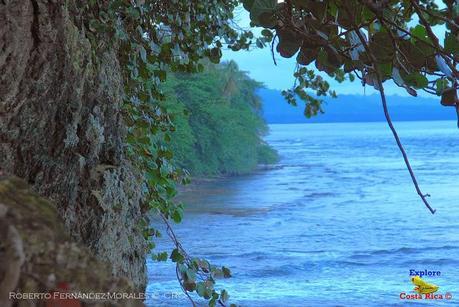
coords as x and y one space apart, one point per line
336 222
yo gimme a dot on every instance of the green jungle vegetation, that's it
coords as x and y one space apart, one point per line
372 41
218 122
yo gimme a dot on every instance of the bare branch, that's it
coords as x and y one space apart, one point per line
272 50
389 120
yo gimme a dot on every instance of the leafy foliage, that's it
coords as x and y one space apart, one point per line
373 40
153 38
217 119
344 39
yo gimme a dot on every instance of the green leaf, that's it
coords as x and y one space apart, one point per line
451 43
248 4
176 256
416 80
262 12
323 64
267 33
307 55
213 302
413 53
441 85
177 215
190 275
419 32
160 256
224 295
381 46
203 290
214 55
385 69
143 53
200 289
189 285
449 97
226 272
289 43
267 19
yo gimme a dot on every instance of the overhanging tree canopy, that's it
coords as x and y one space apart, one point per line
372 40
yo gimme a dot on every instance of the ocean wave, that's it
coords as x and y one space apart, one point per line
364 255
433 262
315 195
409 250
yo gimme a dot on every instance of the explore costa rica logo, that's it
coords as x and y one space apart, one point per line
423 287
424 290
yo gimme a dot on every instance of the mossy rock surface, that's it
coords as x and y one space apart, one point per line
62 128
38 256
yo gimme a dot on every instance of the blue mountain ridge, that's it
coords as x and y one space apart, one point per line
355 108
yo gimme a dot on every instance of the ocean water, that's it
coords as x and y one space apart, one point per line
336 223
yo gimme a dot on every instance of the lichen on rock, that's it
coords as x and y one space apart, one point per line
37 255
62 131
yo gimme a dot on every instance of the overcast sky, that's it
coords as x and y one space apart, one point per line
260 66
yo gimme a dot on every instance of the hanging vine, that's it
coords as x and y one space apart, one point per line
374 41
152 39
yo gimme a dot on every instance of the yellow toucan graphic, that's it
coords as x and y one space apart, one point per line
422 286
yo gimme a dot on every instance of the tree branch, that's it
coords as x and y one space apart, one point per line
434 38
389 120
442 18
202 274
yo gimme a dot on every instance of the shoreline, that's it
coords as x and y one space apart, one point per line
199 180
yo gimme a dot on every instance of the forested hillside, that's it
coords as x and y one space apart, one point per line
101 100
217 117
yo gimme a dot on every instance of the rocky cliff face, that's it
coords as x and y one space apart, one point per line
61 129
37 256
